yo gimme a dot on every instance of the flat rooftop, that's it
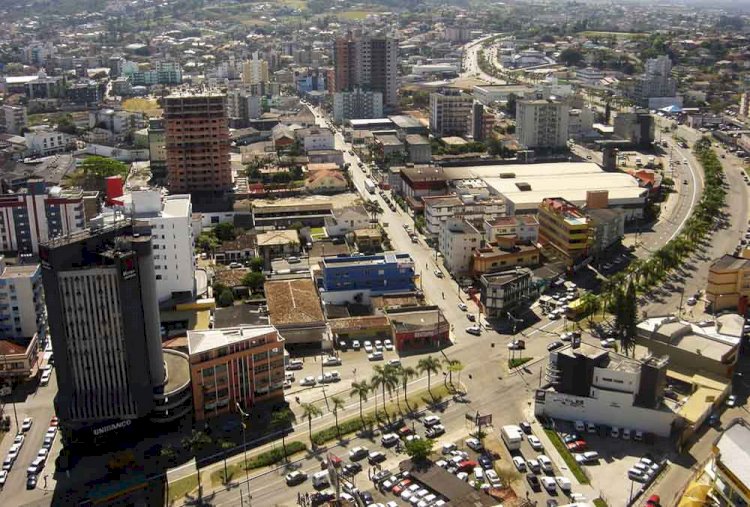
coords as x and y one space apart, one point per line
210 339
178 370
733 448
366 260
177 206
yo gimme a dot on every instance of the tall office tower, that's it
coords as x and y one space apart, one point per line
370 63
197 141
254 71
100 289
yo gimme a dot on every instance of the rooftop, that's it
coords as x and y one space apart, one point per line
733 450
366 260
293 302
274 238
730 263
506 276
210 339
358 323
178 370
19 271
13 346
177 206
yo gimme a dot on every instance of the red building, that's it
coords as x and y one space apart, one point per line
419 328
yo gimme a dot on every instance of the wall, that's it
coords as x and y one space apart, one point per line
606 412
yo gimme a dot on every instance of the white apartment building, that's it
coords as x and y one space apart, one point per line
542 123
22 310
580 123
589 76
316 139
457 241
524 227
243 105
44 141
14 118
254 71
172 240
450 113
439 209
357 104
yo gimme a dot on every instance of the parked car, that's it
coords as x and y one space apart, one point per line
430 420
358 453
307 381
462 307
26 425
389 439
435 431
519 463
544 463
533 481
474 444
535 443
375 356
332 361
388 344
555 345
475 330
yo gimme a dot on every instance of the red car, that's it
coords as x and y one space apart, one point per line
467 465
404 431
577 446
398 488
54 421
653 501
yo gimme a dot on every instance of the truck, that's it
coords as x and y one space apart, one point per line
512 436
370 185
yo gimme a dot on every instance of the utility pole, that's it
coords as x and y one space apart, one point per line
244 415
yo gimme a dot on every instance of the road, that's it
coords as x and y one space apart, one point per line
471 63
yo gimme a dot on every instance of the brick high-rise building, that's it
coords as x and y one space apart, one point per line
370 63
197 143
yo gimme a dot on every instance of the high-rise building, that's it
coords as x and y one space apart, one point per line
357 104
542 123
22 311
243 106
157 150
656 82
36 214
450 113
197 143
564 227
14 119
254 71
744 111
112 373
368 62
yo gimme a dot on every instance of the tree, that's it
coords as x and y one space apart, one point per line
253 280
430 366
281 419
361 390
102 167
206 242
197 441
406 373
384 377
224 232
337 403
419 449
67 125
256 264
570 57
454 366
310 410
226 297
225 446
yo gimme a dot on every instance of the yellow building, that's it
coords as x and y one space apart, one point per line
728 284
564 227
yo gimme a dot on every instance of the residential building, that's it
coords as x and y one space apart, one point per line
457 241
586 382
355 279
86 93
581 123
240 249
37 213
326 181
369 62
43 141
113 376
564 227
277 244
368 240
270 215
14 118
316 139
408 125
235 366
294 308
727 467
197 143
347 220
655 82
243 106
504 254
419 328
728 284
542 124
506 291
450 113
117 121
357 104
589 76
172 241
524 228
439 209
164 72
501 93
45 87
19 359
22 310
637 127
608 228
255 71
422 181
418 148
157 150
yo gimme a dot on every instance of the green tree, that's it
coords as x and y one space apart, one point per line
405 374
206 242
197 441
67 125
310 410
225 446
256 264
337 403
419 449
281 420
102 167
570 57
253 280
361 390
384 377
224 232
226 297
454 366
429 365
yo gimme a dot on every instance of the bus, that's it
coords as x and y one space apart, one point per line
370 185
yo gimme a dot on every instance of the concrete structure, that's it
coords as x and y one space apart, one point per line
356 279
37 213
278 214
638 128
419 328
172 240
506 291
316 139
369 327
503 255
457 241
243 106
157 150
581 123
235 366
418 148
254 71
523 228
14 119
197 143
19 359
655 82
100 290
589 76
727 469
566 228
500 93
594 385
43 141
347 220
608 228
728 284
542 124
357 104
370 62
22 310
450 113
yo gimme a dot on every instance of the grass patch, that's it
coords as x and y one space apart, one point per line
599 502
574 467
518 361
354 15
140 105
181 487
261 460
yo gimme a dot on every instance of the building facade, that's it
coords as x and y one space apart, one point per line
22 309
254 71
419 328
358 278
14 118
357 104
369 62
43 141
565 228
458 239
729 479
542 124
506 291
157 150
450 113
728 284
524 228
235 366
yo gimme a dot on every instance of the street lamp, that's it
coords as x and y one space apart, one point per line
244 415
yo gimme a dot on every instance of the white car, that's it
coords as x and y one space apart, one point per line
26 425
493 478
439 273
475 330
389 439
608 343
731 400
307 381
3 477
519 463
388 344
13 452
430 420
549 484
368 346
295 364
462 307
473 443
535 443
42 453
45 378
19 440
563 483
545 463
409 492
356 345
375 356
378 345
332 361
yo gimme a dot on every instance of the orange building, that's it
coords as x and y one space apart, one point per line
234 365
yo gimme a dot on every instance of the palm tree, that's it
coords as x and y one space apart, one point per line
338 404
194 443
429 365
385 378
281 419
454 365
309 411
407 373
361 390
225 446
